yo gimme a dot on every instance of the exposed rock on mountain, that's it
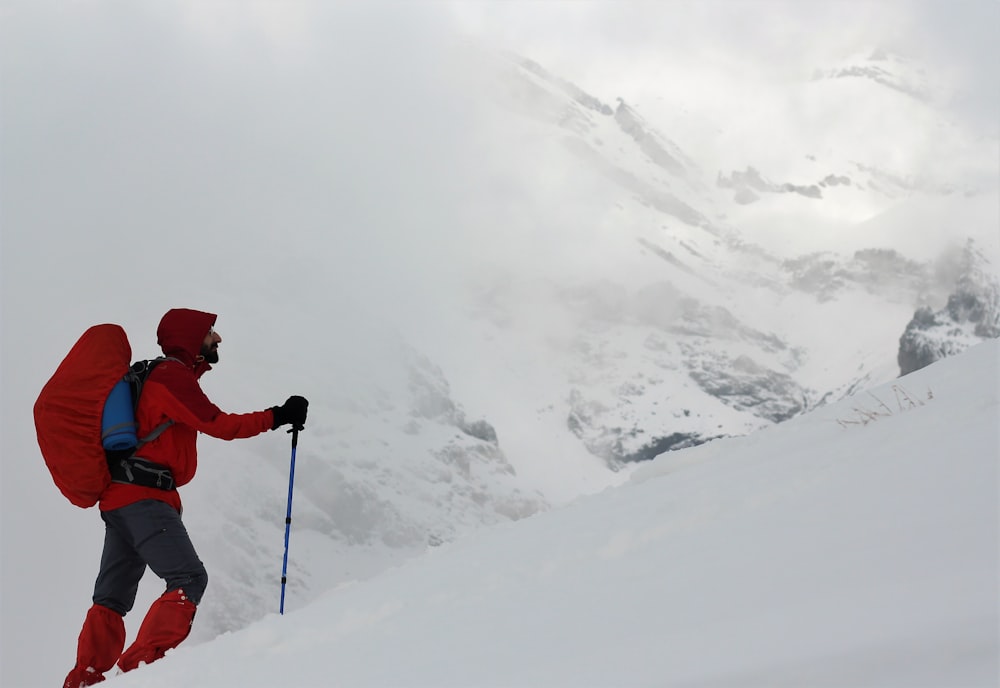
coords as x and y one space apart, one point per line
664 153
879 271
648 194
746 385
622 445
570 89
971 315
745 184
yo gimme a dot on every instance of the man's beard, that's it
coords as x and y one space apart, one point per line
209 354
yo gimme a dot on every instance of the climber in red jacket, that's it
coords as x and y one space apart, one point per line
141 507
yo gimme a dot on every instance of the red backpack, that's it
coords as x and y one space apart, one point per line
69 409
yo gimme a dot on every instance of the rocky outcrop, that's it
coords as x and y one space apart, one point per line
746 385
662 152
971 315
572 90
880 271
645 193
746 185
604 433
432 401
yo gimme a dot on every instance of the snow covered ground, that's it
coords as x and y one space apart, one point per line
854 546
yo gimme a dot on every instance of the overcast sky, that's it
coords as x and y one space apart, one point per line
609 46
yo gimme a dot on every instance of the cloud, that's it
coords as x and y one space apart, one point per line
337 165
697 48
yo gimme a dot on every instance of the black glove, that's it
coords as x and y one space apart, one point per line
292 411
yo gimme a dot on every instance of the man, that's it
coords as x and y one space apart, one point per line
141 508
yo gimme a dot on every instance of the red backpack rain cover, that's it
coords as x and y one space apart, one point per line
69 409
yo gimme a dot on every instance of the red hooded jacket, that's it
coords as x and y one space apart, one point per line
172 392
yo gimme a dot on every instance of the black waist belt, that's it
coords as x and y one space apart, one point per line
137 471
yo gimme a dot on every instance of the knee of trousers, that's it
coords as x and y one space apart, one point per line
193 584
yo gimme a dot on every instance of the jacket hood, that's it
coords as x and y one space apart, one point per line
182 331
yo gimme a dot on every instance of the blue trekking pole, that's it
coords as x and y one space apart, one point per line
288 516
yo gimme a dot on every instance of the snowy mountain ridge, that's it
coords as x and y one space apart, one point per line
702 245
886 68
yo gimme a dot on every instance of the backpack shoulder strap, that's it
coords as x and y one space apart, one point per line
154 433
138 373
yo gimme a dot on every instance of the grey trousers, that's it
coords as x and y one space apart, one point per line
147 533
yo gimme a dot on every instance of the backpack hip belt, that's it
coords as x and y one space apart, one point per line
135 470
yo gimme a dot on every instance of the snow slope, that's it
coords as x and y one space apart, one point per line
855 545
